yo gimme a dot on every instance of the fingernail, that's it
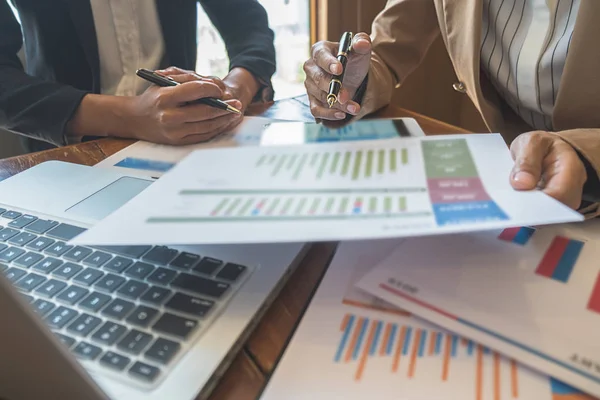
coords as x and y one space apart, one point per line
352 109
334 68
340 115
521 176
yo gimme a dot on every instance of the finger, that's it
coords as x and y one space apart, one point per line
173 71
195 113
320 78
318 110
323 55
189 91
528 151
211 126
564 175
361 44
183 78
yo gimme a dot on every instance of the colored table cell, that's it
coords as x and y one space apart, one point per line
460 213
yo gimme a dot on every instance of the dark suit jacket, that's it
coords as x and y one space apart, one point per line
63 64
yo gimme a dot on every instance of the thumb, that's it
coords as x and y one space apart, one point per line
361 44
528 151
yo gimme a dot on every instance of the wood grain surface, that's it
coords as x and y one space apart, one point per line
253 365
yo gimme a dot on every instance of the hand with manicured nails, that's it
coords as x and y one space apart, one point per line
321 67
546 161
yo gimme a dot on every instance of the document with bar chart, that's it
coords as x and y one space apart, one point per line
530 293
351 346
331 191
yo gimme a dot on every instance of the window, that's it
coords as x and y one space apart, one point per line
289 19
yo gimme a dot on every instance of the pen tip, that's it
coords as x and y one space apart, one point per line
331 101
233 110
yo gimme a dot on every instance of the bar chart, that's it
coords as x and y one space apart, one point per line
351 164
560 259
293 205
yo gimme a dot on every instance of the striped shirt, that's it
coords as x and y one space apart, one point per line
524 47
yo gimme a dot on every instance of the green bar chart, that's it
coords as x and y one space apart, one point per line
354 165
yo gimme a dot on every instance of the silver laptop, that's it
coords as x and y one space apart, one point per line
141 322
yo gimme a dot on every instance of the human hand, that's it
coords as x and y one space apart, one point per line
546 161
323 64
163 115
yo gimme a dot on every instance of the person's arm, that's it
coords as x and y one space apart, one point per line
28 105
244 27
401 34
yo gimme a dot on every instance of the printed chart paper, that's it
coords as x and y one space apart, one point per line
351 346
331 191
530 293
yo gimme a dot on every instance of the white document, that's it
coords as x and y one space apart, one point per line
532 294
332 191
351 346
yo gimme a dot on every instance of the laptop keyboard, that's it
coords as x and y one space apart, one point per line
130 310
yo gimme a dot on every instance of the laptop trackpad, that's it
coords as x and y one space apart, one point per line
110 198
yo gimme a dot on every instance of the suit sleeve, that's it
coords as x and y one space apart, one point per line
587 144
244 27
402 34
30 106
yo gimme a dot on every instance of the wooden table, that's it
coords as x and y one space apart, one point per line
254 364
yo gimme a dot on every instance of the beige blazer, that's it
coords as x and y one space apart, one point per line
404 30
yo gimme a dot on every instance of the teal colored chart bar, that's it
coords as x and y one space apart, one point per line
404 154
336 161
369 167
402 203
286 206
346 165
300 166
232 206
279 165
301 205
388 204
315 205
393 160
381 162
357 163
329 205
324 160
373 204
343 205
261 160
292 161
246 207
313 160
220 206
273 206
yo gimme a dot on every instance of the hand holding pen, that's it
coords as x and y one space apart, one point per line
330 84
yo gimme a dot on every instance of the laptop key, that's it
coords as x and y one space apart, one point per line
27 297
97 259
114 361
30 282
161 255
144 372
28 259
72 295
118 264
139 270
95 301
11 253
22 239
87 351
67 270
40 244
7 233
43 307
109 283
162 350
231 272
3 267
156 295
142 316
51 288
3 247
162 276
189 305
118 309
208 266
22 221
66 340
14 274
135 342
174 325
84 325
41 226
58 249
185 260
88 276
11 214
2 211
198 285
77 254
109 333
132 289
127 251
47 265
65 232
60 317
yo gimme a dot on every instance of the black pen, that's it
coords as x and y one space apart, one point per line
163 81
336 82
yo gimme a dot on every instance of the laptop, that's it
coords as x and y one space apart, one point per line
122 322
137 322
